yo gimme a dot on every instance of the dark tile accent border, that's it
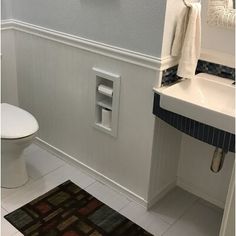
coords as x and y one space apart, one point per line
215 69
170 75
205 133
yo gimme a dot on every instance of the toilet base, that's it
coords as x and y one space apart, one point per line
13 167
14 173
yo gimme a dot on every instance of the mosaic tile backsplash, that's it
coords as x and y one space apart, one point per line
215 69
170 75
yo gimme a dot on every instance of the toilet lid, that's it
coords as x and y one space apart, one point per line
16 122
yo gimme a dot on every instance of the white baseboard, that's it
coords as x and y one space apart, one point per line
161 194
97 175
198 192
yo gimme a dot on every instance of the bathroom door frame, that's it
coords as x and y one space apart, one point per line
228 222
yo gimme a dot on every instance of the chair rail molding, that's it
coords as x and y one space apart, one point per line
140 59
221 13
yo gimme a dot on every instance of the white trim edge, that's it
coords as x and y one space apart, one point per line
228 221
147 61
90 171
161 193
218 57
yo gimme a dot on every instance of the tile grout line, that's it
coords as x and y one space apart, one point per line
90 184
165 221
71 164
4 209
67 162
184 213
124 206
16 189
47 173
110 189
113 189
28 183
34 181
210 206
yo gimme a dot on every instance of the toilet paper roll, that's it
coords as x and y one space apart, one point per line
106 117
105 90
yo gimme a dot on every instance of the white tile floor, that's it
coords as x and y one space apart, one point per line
178 214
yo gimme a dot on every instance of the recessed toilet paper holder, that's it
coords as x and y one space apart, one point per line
106 101
105 90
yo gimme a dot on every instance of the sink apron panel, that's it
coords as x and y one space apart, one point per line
205 133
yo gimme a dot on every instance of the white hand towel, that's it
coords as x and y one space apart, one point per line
187 41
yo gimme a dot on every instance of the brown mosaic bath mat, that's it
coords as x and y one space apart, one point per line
68 210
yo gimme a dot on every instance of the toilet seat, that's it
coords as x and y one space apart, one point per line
16 123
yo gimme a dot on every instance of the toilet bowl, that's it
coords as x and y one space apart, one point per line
18 129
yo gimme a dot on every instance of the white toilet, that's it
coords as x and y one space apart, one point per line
18 128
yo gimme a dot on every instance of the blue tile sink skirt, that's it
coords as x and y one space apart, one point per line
205 133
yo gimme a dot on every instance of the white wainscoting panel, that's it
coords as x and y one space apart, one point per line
9 93
54 82
165 158
194 173
88 170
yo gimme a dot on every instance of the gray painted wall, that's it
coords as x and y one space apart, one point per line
134 25
6 9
